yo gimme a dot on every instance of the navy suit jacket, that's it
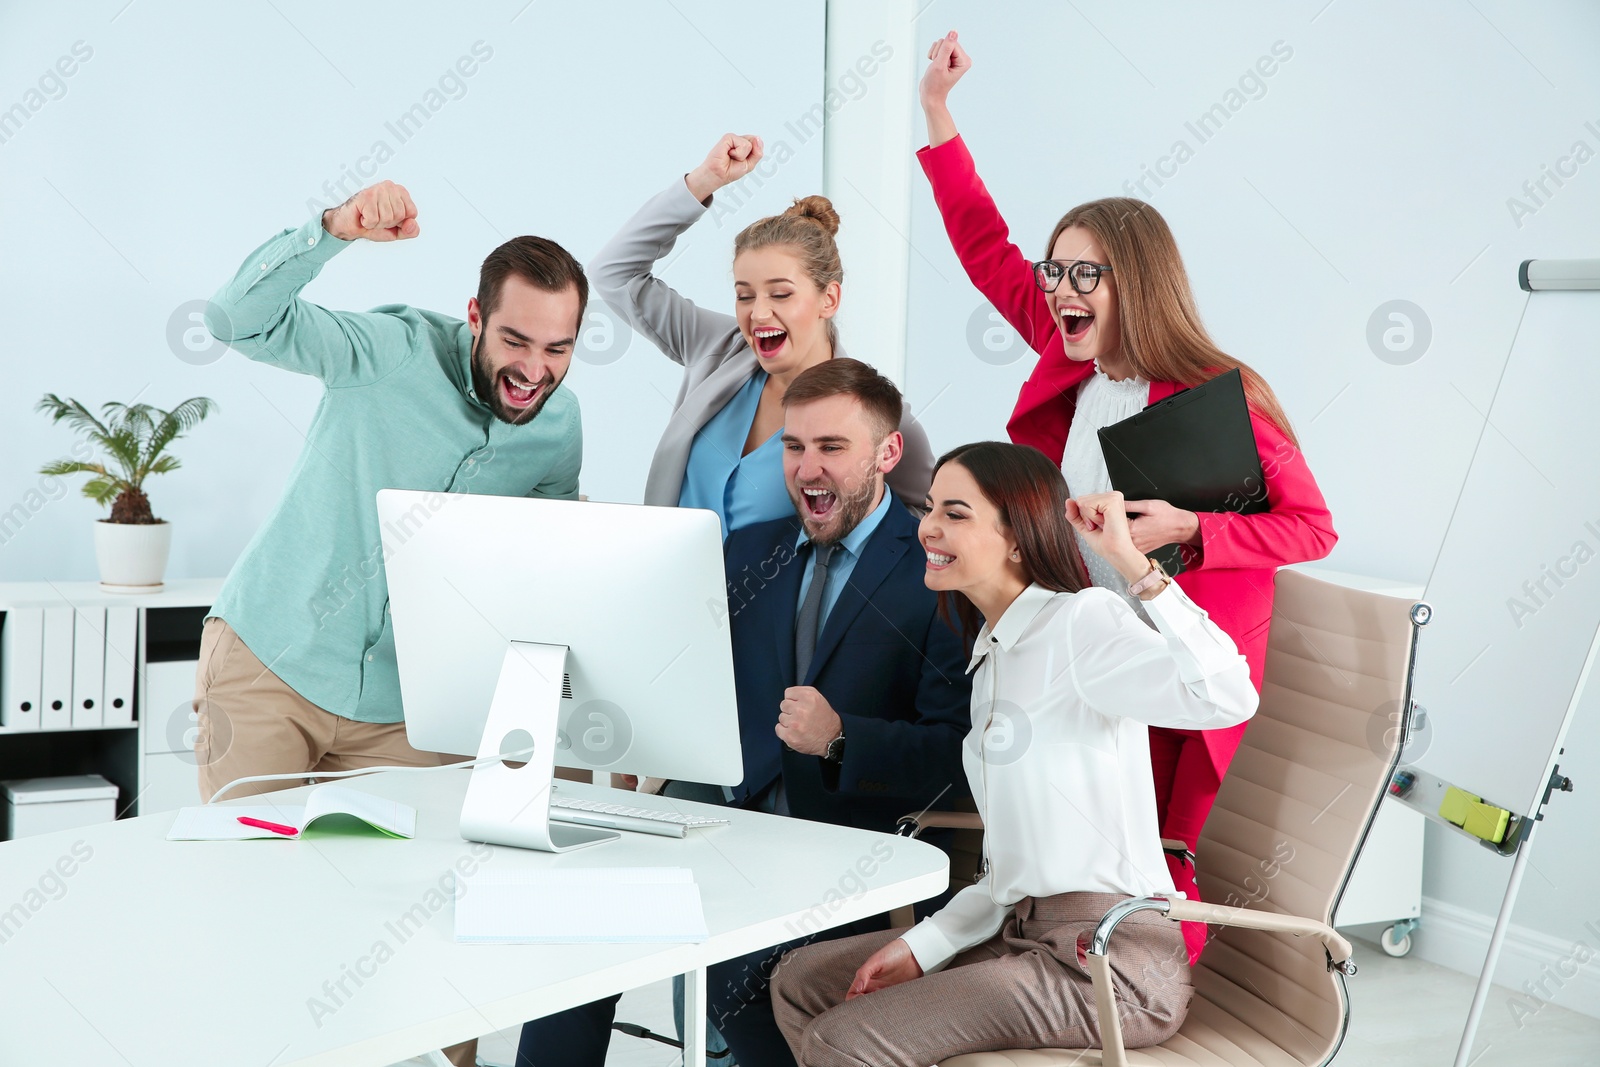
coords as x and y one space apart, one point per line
885 661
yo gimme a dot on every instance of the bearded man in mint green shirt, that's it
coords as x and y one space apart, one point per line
297 663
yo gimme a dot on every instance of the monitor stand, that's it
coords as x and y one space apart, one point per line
511 805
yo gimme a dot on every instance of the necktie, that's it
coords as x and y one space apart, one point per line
806 626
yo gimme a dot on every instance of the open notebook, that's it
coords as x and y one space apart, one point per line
580 906
330 805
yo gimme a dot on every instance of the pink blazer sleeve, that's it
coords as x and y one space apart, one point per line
983 243
1004 275
1296 528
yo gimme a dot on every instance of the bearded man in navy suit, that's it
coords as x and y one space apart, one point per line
852 689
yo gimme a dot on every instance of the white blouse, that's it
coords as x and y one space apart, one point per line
1100 403
1059 755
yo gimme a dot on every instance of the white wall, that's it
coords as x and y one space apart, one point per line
1374 164
193 132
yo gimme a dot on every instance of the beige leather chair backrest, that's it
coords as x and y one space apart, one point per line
1294 809
1284 834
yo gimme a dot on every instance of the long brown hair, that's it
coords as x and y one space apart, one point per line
808 226
1030 494
1162 334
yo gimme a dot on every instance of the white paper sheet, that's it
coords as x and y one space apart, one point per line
580 906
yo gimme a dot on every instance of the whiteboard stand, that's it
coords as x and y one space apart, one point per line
1515 635
1518 843
1480 996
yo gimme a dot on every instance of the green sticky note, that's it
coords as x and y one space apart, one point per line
1457 805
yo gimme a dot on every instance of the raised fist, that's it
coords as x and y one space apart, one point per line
381 212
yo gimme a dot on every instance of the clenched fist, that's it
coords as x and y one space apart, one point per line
731 159
947 62
806 721
381 212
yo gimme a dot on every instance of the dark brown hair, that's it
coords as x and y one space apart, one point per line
538 261
1030 494
1162 334
808 226
842 376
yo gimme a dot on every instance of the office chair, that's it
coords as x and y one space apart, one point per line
1278 847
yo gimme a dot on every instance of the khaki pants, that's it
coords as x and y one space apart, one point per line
251 722
1021 989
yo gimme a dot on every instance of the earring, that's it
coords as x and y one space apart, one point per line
1015 558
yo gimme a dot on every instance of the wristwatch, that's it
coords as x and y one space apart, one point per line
835 752
1150 579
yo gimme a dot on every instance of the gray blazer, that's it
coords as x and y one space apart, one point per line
716 360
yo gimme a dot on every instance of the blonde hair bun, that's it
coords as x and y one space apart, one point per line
817 208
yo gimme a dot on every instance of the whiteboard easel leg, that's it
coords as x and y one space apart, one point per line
1502 922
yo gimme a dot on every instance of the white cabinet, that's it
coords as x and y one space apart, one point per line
146 750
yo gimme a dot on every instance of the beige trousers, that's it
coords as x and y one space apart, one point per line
251 722
1023 988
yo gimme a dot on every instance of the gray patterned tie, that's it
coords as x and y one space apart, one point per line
806 626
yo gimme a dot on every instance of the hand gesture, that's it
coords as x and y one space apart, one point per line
1102 520
948 61
733 157
382 212
1156 523
890 965
806 721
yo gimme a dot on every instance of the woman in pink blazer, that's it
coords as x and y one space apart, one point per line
1114 322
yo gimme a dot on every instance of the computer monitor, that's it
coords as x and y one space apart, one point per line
596 633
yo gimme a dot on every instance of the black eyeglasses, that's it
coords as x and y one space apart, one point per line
1081 274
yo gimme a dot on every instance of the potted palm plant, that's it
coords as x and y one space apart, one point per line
132 545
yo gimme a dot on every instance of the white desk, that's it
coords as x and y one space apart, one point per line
172 954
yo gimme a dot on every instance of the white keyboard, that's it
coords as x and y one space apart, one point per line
623 817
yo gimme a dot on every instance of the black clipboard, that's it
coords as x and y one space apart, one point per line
1196 450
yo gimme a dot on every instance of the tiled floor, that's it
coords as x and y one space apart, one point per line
1403 1013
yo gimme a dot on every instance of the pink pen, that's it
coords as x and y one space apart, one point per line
275 827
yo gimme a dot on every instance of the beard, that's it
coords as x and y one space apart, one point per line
848 510
487 386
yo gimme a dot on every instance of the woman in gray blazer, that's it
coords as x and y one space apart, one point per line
722 448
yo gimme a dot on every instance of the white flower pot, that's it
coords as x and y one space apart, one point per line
132 556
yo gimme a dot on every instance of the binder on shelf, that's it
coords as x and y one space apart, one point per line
21 659
88 667
55 674
122 638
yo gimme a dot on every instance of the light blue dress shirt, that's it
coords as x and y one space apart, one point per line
741 489
843 563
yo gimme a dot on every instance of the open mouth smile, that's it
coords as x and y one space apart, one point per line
518 392
1075 321
819 503
769 340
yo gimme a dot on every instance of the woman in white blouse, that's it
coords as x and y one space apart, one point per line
1068 681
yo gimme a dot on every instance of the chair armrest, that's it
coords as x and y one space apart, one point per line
913 825
1336 945
1097 962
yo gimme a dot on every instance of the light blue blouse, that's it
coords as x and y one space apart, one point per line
741 489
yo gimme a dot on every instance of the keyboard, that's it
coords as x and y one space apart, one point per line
622 817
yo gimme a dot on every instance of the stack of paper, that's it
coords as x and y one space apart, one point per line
585 906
